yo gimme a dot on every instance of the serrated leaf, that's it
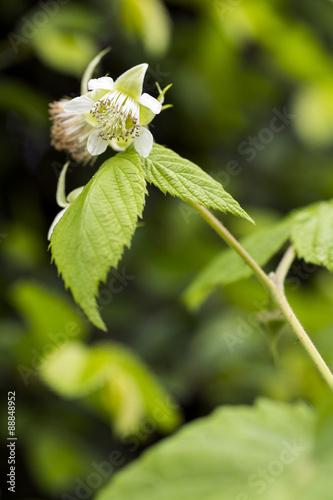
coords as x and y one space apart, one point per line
312 234
93 232
180 177
227 267
237 453
128 391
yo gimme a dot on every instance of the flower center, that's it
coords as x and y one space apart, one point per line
117 115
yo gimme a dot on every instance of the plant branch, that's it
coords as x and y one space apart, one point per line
275 287
283 304
284 266
222 231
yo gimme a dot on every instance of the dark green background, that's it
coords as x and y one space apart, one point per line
233 66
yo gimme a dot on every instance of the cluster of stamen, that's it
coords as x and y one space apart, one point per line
70 132
117 115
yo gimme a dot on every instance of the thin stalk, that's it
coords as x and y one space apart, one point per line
222 231
284 266
283 304
275 287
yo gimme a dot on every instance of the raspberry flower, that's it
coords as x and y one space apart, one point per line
111 113
120 114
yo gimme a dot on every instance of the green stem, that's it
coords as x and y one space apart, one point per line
282 270
288 313
233 243
275 287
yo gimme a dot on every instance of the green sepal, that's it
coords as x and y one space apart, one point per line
131 81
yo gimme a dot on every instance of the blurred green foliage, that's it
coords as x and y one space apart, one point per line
284 438
235 67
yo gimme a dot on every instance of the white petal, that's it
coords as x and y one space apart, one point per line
90 69
96 145
55 222
151 103
144 142
79 105
105 83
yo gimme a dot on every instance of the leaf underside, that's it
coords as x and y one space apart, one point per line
229 455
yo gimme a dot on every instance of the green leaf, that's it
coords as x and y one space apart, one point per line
312 234
150 21
135 391
175 175
93 232
67 42
32 104
50 315
227 267
128 391
315 100
291 39
71 372
237 453
65 52
55 456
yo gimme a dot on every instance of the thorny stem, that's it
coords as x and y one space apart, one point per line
275 287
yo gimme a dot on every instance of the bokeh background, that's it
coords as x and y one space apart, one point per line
235 65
